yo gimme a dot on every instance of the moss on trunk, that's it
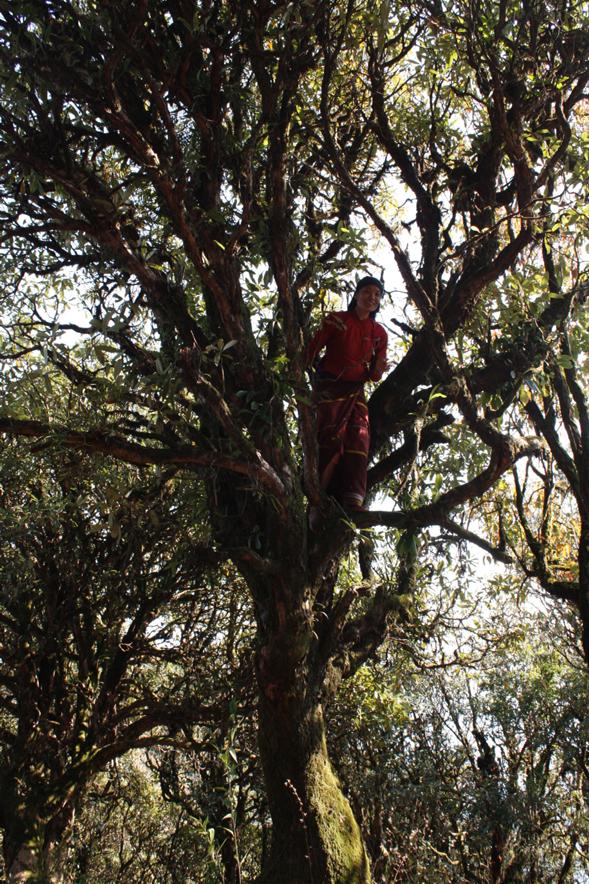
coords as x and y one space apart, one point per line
315 838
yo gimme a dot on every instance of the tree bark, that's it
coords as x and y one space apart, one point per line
315 839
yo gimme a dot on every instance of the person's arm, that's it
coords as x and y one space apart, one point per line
319 340
379 363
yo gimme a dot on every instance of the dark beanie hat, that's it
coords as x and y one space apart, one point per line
369 280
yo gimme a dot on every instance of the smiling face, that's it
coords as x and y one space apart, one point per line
368 299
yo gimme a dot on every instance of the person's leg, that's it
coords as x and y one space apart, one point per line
331 413
353 465
330 451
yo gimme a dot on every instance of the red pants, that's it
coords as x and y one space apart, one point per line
344 439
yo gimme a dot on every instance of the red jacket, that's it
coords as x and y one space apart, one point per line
355 349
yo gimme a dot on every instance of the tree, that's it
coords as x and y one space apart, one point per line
125 833
550 537
218 786
471 768
108 624
200 170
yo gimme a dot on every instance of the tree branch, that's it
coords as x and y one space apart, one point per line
117 447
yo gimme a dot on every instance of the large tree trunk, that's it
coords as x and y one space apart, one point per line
315 839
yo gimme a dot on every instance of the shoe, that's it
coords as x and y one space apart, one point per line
354 507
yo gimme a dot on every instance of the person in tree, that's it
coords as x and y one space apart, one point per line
355 348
